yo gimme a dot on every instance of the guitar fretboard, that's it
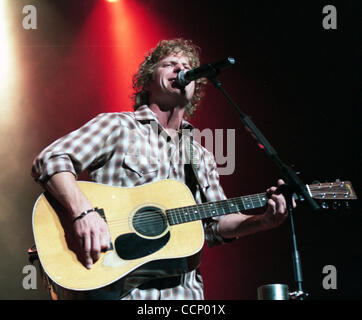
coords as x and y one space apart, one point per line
217 208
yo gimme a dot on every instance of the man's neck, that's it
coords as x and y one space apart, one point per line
169 118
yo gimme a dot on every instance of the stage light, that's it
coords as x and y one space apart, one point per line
5 48
9 83
112 1
118 35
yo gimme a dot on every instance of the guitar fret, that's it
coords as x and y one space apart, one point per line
174 218
171 219
246 203
261 204
235 206
263 199
239 205
179 215
254 203
185 215
223 210
195 212
203 212
182 215
212 209
217 208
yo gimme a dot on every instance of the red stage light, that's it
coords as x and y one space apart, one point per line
117 39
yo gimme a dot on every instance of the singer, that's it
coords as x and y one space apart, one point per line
116 149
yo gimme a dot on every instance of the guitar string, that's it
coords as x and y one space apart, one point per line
180 211
217 205
183 215
159 224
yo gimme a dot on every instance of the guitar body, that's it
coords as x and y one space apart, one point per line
138 247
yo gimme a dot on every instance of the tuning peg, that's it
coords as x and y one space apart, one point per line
336 205
324 205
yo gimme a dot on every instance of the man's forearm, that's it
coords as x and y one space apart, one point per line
64 188
239 225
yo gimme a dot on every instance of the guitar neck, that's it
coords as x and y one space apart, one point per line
339 190
217 208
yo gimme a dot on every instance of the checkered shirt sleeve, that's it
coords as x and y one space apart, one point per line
85 148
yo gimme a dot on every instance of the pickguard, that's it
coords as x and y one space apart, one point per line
131 246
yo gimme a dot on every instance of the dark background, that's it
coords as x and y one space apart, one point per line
300 83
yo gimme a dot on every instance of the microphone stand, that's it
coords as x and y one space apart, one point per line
293 183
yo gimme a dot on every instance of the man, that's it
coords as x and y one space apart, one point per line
119 149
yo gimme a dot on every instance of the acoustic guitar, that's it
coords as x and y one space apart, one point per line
151 226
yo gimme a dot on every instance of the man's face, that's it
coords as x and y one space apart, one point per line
163 89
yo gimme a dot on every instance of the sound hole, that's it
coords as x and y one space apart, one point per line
149 221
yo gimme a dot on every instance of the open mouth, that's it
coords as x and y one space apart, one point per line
174 83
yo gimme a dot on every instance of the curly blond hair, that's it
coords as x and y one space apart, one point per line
163 49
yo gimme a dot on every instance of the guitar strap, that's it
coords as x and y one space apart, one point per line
191 176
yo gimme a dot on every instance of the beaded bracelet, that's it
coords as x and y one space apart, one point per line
85 213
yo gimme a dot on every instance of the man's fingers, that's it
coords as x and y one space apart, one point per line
94 238
276 211
105 240
271 207
271 190
87 251
96 247
279 203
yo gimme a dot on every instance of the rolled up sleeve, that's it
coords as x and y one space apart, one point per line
88 146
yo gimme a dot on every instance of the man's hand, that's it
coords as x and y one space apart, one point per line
276 212
93 236
90 232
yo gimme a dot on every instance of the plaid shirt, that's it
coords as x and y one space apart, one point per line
128 149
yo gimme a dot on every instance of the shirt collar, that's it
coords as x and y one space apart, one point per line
145 113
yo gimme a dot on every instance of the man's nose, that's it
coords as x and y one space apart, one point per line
178 67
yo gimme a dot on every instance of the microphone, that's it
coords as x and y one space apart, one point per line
205 71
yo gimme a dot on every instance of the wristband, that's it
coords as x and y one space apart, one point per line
85 213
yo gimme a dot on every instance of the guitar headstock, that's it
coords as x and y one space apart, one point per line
337 191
